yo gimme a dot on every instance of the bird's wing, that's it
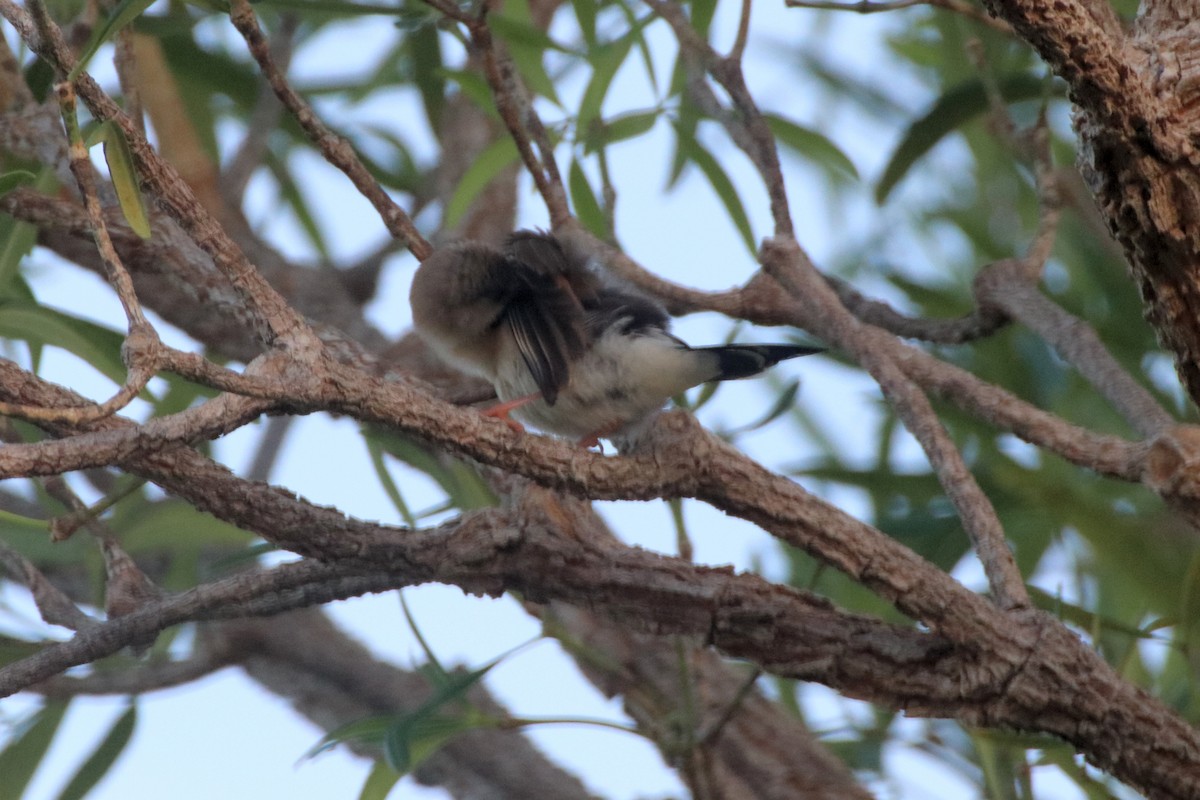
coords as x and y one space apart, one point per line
544 312
632 313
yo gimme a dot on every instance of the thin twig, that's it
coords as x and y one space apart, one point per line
126 63
52 603
263 119
135 680
743 33
786 263
980 323
336 150
524 126
748 128
870 7
276 322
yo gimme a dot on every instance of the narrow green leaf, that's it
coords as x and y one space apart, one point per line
702 15
625 126
527 44
475 88
782 404
498 155
948 113
723 186
124 13
38 325
10 522
16 241
292 194
459 481
528 61
687 121
369 730
414 739
430 656
18 238
585 15
425 46
20 760
17 177
335 9
587 207
380 782
375 450
397 753
606 60
102 758
813 146
124 177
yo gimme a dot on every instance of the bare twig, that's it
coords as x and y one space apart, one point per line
269 447
784 260
263 119
1005 285
140 679
337 150
873 7
275 319
748 128
53 605
980 323
523 123
125 61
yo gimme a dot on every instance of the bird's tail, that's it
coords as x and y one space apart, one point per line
745 360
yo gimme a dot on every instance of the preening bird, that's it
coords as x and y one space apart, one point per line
567 350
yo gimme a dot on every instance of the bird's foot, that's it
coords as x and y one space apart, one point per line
501 411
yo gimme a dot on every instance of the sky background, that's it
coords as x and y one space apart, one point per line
216 737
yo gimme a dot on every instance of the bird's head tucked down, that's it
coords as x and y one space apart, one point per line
567 349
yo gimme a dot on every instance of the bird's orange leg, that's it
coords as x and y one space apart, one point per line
501 411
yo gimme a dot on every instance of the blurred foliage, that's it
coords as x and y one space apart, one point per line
1105 557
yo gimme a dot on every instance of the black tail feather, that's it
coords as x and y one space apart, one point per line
746 360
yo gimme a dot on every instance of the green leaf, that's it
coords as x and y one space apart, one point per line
587 207
606 60
722 185
813 146
625 126
124 176
380 782
292 194
458 480
369 730
376 452
527 44
702 15
124 13
15 522
490 163
20 760
585 15
430 656
782 404
425 46
97 345
335 9
102 758
18 238
686 123
953 109
475 88
414 739
17 177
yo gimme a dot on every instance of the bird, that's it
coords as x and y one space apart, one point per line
568 349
